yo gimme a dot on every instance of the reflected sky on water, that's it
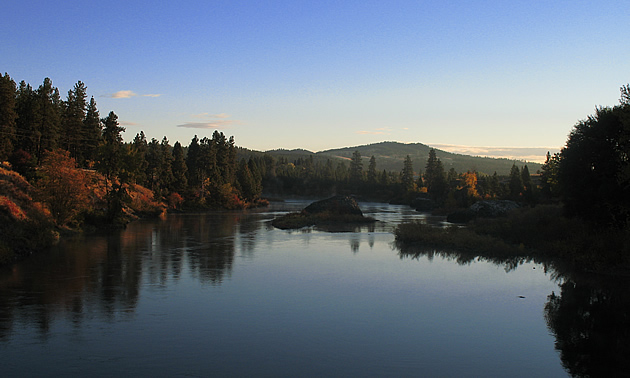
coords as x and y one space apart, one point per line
226 294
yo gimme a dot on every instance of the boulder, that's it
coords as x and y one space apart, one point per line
483 209
337 205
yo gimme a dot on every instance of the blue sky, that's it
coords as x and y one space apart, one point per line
328 74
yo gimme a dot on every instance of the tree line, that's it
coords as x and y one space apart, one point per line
450 189
211 172
41 134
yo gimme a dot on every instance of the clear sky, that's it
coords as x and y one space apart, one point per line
328 74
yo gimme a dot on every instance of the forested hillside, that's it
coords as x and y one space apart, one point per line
391 155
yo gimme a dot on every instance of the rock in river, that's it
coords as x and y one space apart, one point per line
334 210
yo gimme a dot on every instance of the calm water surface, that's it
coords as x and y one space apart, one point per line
226 294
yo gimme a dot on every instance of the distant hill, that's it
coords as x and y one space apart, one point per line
390 156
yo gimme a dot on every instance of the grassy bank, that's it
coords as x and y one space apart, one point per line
541 232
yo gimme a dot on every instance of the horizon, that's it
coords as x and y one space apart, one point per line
320 75
528 154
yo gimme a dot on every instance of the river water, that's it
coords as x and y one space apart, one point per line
226 294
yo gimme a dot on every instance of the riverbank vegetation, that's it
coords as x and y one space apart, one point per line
73 170
588 226
66 168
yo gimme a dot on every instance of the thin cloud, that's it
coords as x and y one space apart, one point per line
122 94
129 94
207 125
124 123
210 121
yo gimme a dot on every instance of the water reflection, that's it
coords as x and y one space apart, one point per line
101 275
101 279
590 317
590 320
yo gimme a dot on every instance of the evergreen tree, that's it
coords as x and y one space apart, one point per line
384 178
371 172
39 115
73 118
246 183
341 173
28 119
549 176
111 163
193 163
516 182
329 171
495 185
406 176
180 170
594 168
452 179
166 170
48 131
8 116
139 149
528 188
356 169
435 177
92 131
155 163
257 175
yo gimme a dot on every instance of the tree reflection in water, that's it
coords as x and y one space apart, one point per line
104 277
590 318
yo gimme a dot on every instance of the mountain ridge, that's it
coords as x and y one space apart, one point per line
390 155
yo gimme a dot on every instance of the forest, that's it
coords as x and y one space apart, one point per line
66 167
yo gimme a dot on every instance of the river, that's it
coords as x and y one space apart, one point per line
226 294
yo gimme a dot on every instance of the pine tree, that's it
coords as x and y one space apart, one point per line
516 182
435 177
406 176
155 163
73 118
179 169
384 178
192 163
356 169
28 119
549 176
8 116
371 172
246 183
111 163
528 188
48 131
92 131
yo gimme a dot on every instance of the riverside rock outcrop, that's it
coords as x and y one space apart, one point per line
335 211
337 205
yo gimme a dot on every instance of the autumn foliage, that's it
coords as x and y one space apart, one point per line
63 187
25 225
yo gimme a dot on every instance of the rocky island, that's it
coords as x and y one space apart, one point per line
331 211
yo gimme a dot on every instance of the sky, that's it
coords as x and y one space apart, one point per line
477 76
